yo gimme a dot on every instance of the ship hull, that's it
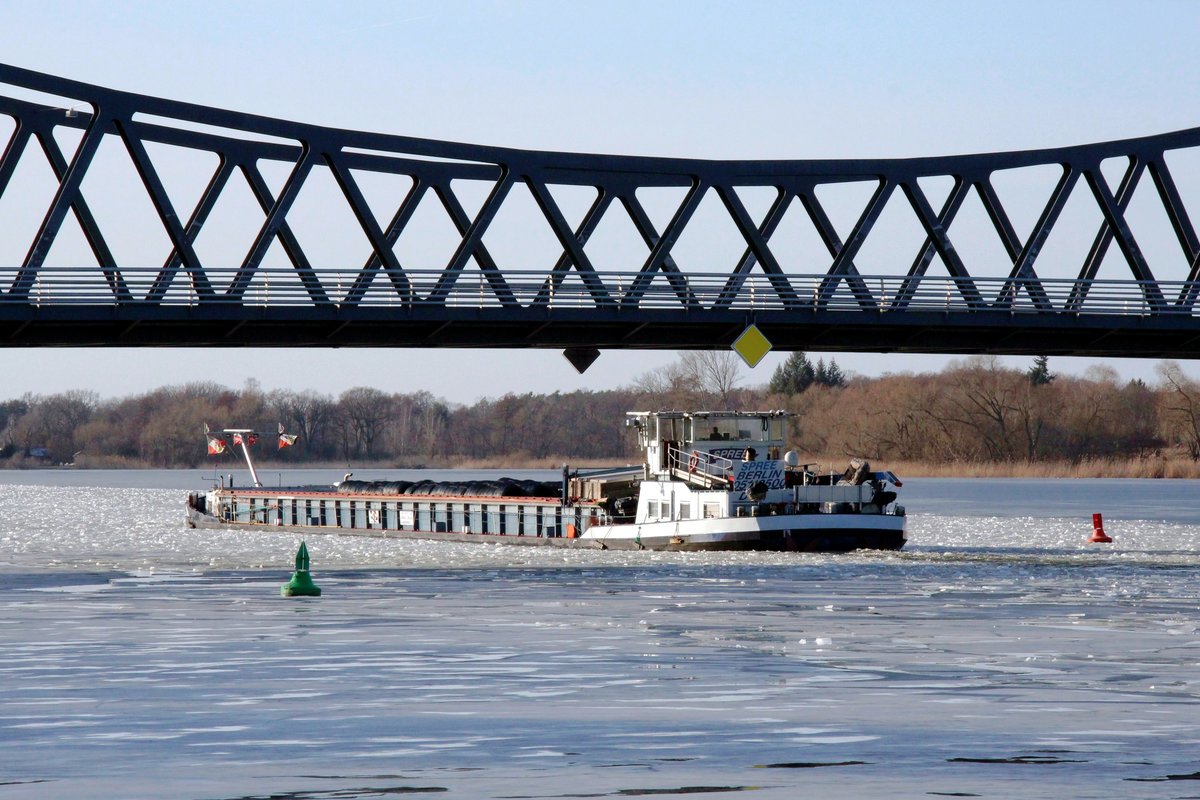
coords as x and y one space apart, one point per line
796 533
791 533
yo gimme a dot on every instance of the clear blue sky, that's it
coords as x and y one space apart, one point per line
723 80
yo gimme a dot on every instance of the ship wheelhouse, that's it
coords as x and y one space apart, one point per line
706 441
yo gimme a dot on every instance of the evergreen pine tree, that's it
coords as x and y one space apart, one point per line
829 374
793 376
834 375
1040 374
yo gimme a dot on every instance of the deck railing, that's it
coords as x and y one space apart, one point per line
342 289
700 463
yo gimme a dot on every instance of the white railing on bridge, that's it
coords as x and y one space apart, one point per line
287 287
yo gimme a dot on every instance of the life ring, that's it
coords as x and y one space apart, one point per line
694 461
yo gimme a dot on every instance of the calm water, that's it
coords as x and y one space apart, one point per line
997 656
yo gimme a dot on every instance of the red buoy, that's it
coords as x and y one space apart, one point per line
1098 534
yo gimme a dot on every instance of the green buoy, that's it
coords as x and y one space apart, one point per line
301 584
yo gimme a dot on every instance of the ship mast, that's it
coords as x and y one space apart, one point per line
242 436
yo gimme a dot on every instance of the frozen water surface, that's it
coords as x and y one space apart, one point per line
997 656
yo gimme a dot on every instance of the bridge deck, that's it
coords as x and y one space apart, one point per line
1113 318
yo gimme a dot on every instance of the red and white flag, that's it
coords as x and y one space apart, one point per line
286 439
216 446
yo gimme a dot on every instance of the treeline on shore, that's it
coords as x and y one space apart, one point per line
975 417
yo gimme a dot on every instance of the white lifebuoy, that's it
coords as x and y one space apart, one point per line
694 461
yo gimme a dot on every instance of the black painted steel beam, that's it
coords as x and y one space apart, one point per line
938 299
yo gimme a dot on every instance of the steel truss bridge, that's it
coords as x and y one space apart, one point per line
932 298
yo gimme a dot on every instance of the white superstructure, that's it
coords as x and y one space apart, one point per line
722 479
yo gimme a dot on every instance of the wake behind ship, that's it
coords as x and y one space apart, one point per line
708 481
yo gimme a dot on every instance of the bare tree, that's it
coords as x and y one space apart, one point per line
713 372
303 413
699 377
667 387
52 420
1181 407
985 405
366 412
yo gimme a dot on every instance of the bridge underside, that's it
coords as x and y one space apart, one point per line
821 331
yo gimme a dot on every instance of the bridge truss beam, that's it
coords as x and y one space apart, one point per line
62 283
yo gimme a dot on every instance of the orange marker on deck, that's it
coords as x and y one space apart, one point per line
1098 534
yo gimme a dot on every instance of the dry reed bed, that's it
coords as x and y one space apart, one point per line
1173 466
1150 467
1089 468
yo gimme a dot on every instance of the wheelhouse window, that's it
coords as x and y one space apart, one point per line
717 429
671 430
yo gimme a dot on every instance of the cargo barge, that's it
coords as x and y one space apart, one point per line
708 481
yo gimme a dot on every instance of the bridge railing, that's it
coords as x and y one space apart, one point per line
690 292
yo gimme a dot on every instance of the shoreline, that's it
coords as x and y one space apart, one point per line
1157 467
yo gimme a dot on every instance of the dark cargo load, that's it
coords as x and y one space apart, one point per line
502 487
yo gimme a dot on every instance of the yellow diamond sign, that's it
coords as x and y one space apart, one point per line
752 346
